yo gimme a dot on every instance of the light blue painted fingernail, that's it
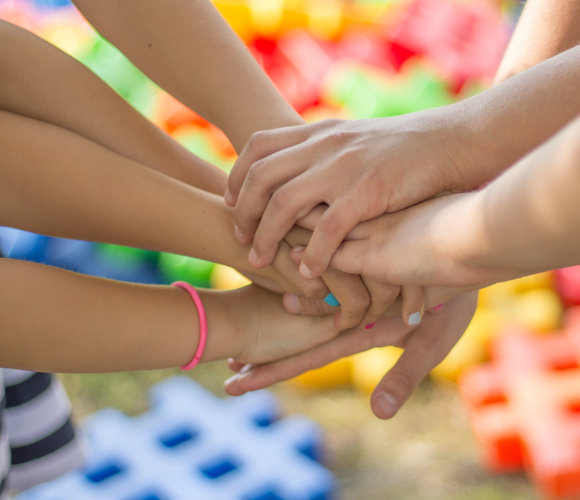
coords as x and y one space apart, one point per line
331 300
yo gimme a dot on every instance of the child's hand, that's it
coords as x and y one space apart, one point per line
264 330
361 168
425 347
420 245
363 300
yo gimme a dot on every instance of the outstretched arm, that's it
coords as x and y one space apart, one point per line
525 222
54 88
187 48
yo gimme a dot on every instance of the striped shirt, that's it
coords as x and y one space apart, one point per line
37 438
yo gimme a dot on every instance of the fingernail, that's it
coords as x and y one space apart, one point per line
369 326
239 234
299 248
232 379
331 300
245 369
253 257
437 308
387 404
293 303
415 318
229 198
305 271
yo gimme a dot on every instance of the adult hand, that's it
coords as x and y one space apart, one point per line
361 169
425 346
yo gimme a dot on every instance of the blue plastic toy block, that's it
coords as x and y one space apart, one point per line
194 445
79 256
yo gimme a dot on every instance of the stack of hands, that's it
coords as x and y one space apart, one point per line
392 244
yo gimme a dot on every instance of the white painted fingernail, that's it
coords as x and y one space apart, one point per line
299 248
232 379
245 369
415 318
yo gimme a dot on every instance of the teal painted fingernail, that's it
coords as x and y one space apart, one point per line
331 300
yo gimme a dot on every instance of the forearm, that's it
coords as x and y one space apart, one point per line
55 320
56 89
527 220
187 48
57 183
500 126
545 29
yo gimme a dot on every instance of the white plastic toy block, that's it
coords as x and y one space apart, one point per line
193 445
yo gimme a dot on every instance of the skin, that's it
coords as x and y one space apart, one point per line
532 43
93 121
283 174
523 223
98 325
169 41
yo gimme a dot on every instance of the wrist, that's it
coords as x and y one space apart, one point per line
224 339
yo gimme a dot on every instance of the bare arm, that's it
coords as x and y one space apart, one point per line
187 48
545 29
97 325
56 89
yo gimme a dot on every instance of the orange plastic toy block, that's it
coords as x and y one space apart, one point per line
525 407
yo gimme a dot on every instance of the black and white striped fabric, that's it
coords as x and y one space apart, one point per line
37 438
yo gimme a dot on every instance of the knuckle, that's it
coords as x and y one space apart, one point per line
281 197
257 139
386 294
256 172
331 223
314 289
360 301
404 380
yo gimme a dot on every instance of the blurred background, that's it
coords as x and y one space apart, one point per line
345 59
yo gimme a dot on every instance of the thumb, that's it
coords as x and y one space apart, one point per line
400 382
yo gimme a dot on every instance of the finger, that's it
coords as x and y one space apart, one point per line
382 296
351 256
299 304
387 332
310 220
400 382
328 234
263 179
425 348
413 304
260 145
352 295
234 365
289 203
283 263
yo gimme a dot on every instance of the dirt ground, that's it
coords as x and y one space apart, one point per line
425 453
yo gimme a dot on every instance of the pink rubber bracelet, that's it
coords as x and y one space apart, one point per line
202 323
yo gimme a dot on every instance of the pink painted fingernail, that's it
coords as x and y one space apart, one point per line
253 257
292 303
437 308
305 271
239 234
369 326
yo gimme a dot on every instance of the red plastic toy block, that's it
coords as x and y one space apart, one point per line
568 285
525 407
464 40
